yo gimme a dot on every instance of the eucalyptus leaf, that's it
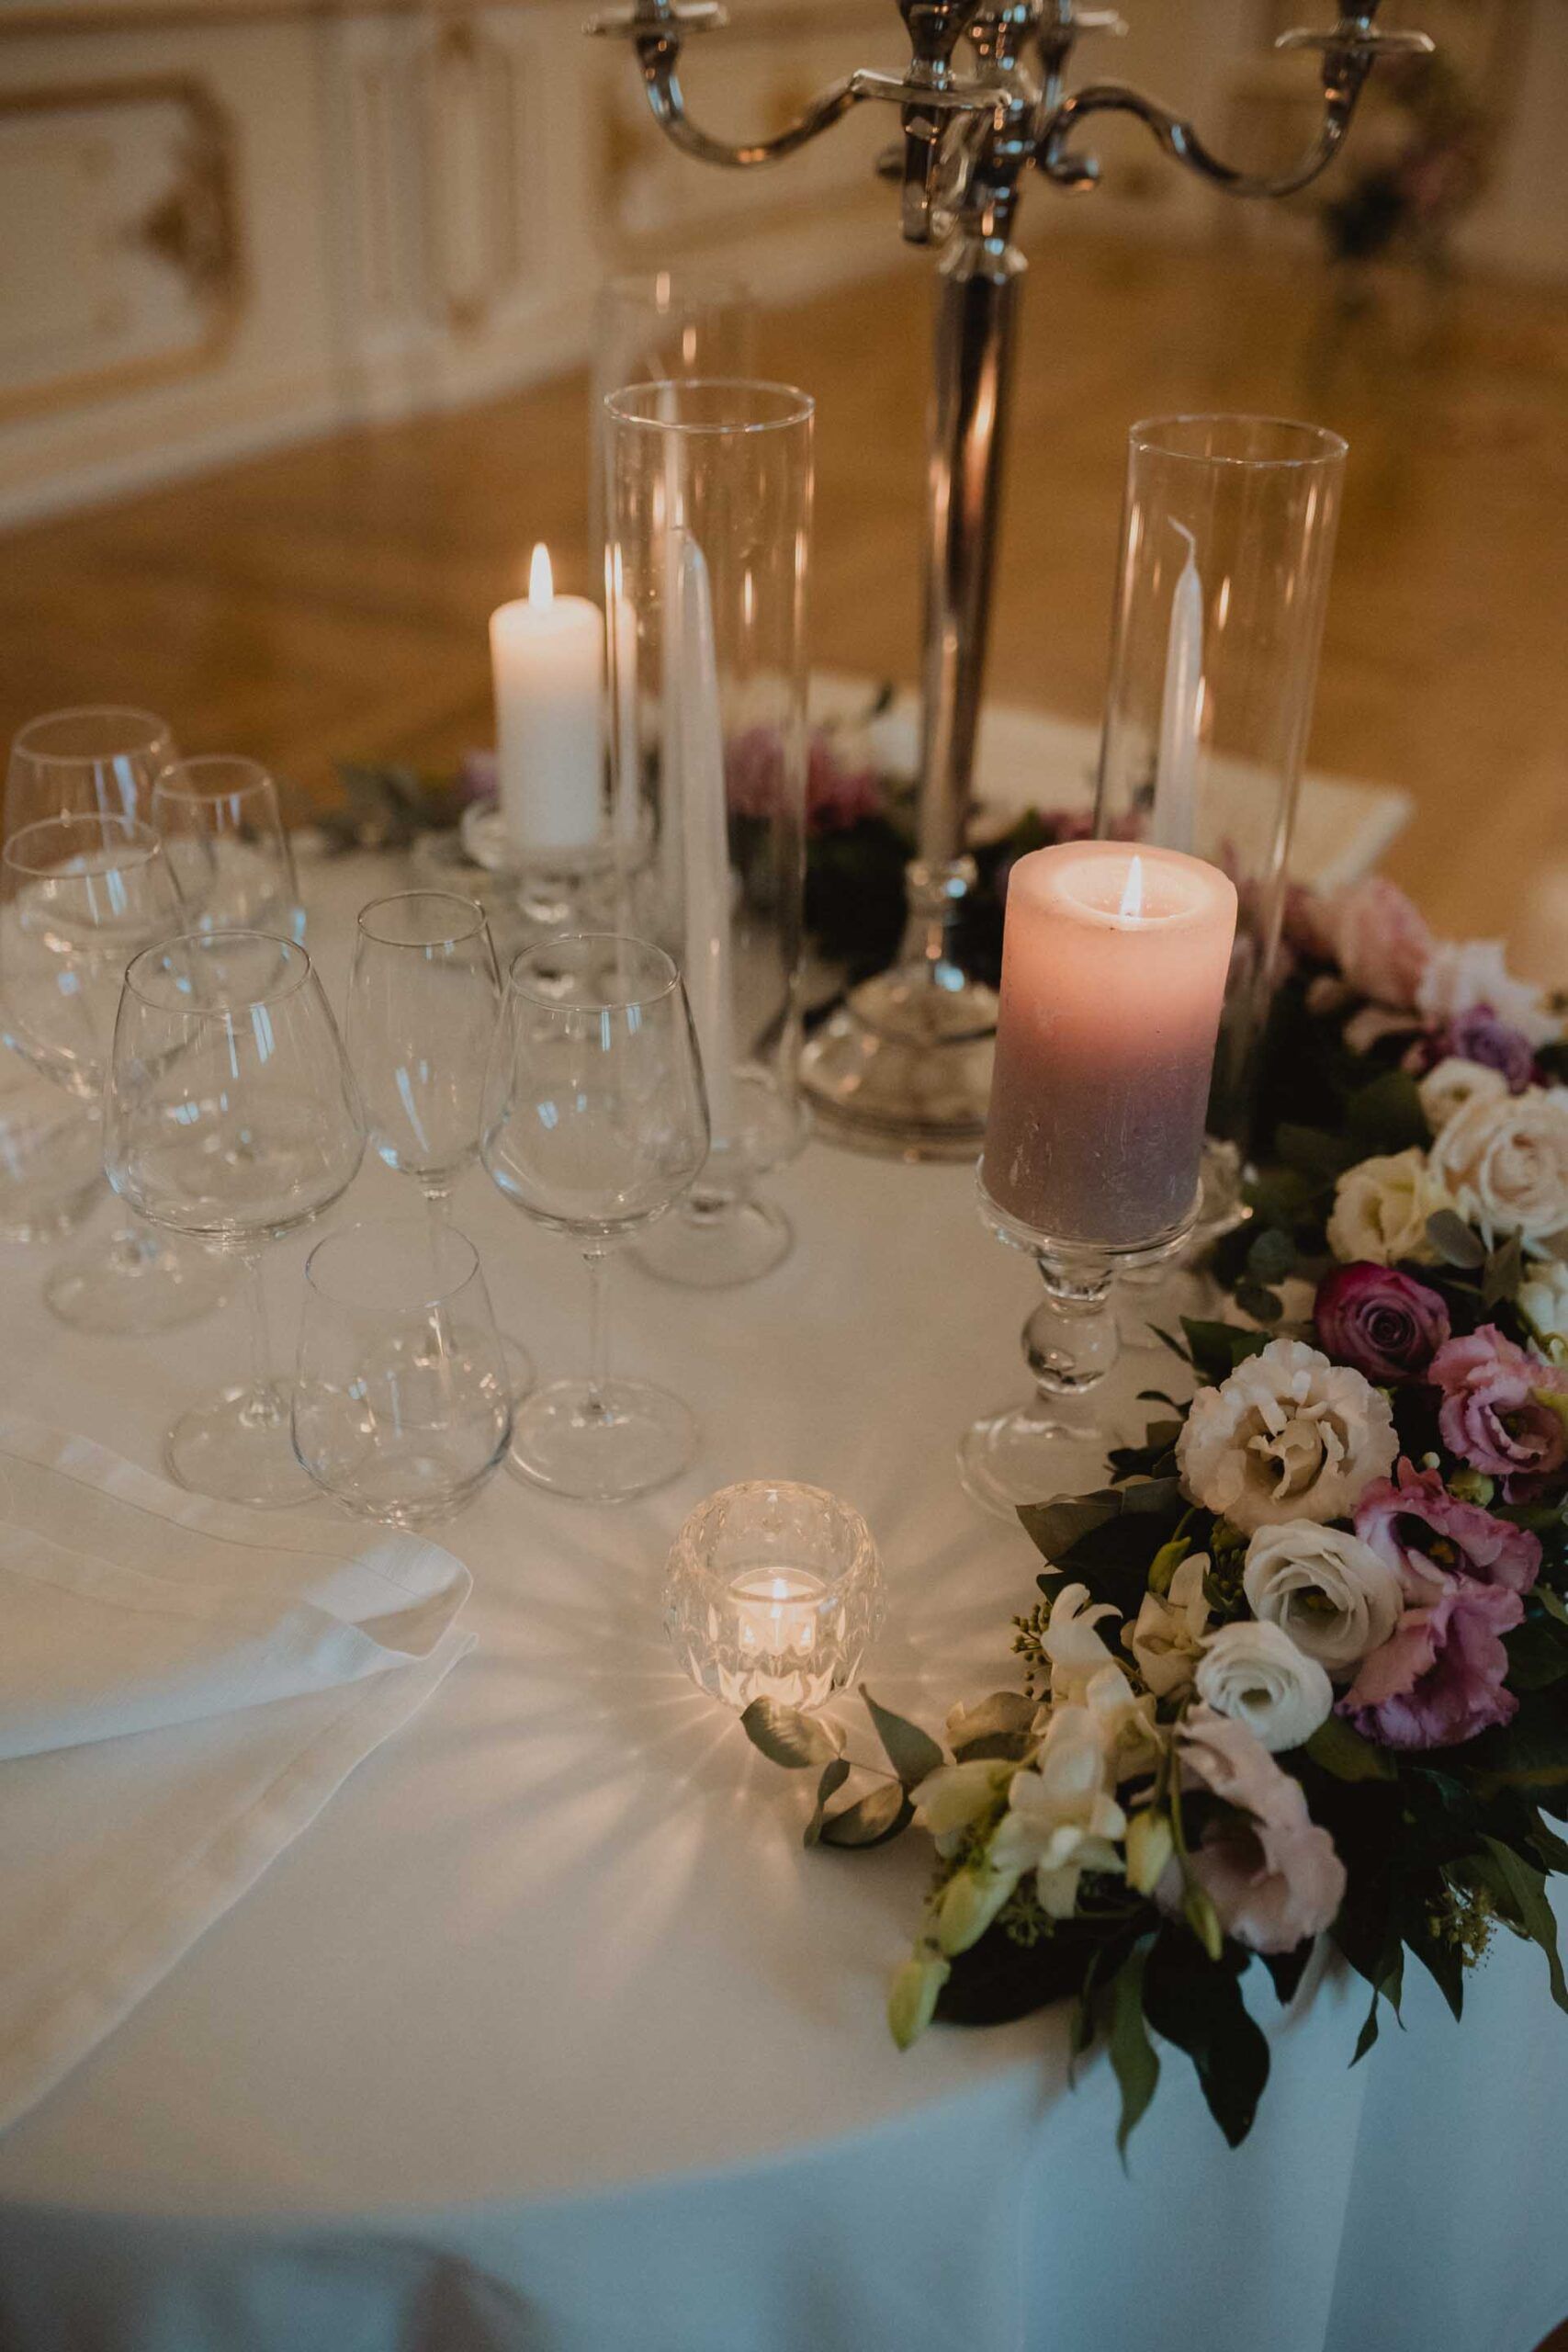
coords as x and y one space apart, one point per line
872 1820
790 1737
1387 1116
1133 2059
1263 1306
912 1752
834 1775
1454 1241
1000 1727
1344 1752
1503 1272
1271 1256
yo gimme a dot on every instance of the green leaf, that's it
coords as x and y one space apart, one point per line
1312 1151
1367 2034
1263 1306
834 1775
1553 1602
1530 1753
1218 1348
1342 1751
1107 1539
911 1751
1133 2059
1386 1977
1196 2004
1503 1272
1271 1256
998 1727
790 1737
885 1813
1520 1891
1288 1968
1453 1240
1386 1116
1538 1654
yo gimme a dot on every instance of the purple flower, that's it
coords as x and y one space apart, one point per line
1381 1322
838 792
1478 1036
1491 1415
1412 1521
1440 1677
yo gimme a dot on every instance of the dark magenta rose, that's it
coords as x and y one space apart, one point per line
1378 1321
1492 1413
1412 1521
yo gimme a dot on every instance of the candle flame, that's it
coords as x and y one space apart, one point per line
541 579
1132 895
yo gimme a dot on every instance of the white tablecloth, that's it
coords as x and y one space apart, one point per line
548 2036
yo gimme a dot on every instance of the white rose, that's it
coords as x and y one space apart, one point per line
1544 1300
1255 1674
1459 975
1061 1818
1381 1207
1168 1633
1454 1085
1288 1436
1329 1592
1505 1164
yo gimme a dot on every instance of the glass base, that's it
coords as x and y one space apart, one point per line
1026 1453
239 1448
136 1282
904 1067
708 1242
633 1438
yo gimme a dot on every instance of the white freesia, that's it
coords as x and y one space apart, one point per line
1381 1207
1168 1633
1461 975
1505 1164
1329 1592
1076 1651
1256 1674
1454 1085
952 1799
1061 1818
1125 1721
1544 1300
1289 1435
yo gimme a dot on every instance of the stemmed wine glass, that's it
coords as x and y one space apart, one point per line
103 762
231 1116
223 834
594 1122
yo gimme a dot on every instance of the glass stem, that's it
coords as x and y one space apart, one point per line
1071 1340
438 1209
260 1405
598 1264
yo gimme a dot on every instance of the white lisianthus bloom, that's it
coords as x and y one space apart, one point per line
1461 975
1254 1673
1454 1085
952 1799
1076 1651
1381 1207
1544 1300
1061 1818
1168 1633
1505 1164
1289 1435
1329 1592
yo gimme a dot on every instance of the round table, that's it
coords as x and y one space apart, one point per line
549 2035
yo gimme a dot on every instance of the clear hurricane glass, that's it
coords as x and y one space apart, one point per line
1227 540
223 834
103 761
403 1408
230 1116
710 491
772 1592
594 1123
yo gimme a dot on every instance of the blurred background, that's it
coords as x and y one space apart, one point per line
295 299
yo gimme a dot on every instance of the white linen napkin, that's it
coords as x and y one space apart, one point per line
183 1685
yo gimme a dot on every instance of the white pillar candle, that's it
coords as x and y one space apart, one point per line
1176 771
1114 973
547 661
705 821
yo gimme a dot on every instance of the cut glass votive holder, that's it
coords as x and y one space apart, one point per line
773 1591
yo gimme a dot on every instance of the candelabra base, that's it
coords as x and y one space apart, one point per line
904 1067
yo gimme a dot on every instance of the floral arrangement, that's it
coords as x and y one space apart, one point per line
1300 1670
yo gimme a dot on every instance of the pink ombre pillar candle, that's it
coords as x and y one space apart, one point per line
1114 973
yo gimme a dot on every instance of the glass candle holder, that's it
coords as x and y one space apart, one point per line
709 490
1227 538
773 1591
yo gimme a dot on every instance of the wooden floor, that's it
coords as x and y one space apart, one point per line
330 602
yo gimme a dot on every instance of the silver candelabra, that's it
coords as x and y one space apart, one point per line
904 1064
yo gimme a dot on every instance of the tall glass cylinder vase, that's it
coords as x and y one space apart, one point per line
708 490
1227 538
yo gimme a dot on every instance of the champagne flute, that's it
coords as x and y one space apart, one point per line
594 1122
231 1116
223 834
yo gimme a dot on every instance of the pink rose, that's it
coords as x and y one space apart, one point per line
1412 1521
1274 1879
1439 1678
1491 1415
1379 940
1383 1323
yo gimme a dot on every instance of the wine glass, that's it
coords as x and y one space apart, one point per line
230 1115
224 834
103 763
594 1121
401 1404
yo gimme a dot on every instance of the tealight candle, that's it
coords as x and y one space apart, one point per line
548 661
1114 960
